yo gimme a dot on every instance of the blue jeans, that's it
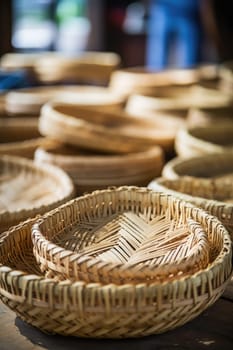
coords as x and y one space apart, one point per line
172 29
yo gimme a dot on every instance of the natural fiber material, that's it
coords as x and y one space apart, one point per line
141 80
128 310
210 116
113 132
30 101
209 165
86 67
90 171
195 141
27 189
211 195
196 97
20 137
120 235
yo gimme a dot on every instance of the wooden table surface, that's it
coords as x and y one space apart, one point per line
212 330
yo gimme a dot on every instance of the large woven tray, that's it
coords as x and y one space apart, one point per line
20 137
209 165
90 171
30 100
195 141
113 132
27 189
213 195
95 310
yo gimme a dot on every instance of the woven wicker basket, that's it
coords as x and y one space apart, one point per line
196 97
111 311
30 101
20 137
113 132
87 67
119 236
141 80
27 189
14 61
208 116
212 195
195 141
90 171
210 165
2 105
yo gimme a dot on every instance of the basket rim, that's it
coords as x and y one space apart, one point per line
40 240
158 184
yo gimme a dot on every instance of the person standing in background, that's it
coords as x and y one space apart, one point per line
174 34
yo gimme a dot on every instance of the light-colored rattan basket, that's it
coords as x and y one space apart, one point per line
110 310
86 67
20 137
30 100
112 132
90 171
13 61
208 116
195 141
217 165
195 97
213 195
27 189
119 236
142 80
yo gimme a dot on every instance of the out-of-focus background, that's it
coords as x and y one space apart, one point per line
131 28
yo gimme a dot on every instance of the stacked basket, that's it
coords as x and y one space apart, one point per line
116 263
99 148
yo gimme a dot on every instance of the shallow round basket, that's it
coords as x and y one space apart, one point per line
142 80
195 97
213 195
217 165
195 141
27 189
30 100
110 310
112 132
208 116
90 171
122 235
20 137
86 67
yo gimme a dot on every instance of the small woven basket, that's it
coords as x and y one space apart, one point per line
112 132
27 190
20 137
196 141
110 310
213 195
210 165
90 171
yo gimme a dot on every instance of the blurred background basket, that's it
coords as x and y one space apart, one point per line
194 141
213 195
27 189
90 171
